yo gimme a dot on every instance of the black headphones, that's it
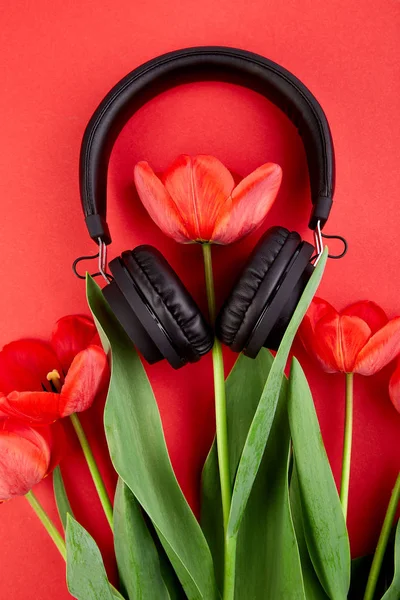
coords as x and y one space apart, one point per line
145 294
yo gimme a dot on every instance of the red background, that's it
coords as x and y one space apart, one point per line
58 59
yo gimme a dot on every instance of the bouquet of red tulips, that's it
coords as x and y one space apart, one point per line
273 525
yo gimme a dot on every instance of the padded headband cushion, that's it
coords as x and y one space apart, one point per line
265 268
170 301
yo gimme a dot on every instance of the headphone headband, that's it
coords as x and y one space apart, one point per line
204 64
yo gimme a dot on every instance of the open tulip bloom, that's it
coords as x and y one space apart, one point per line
41 383
196 199
360 339
272 525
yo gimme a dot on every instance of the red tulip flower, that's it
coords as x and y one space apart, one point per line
196 199
359 339
27 455
41 382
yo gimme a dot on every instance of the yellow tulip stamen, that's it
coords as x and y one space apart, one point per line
55 378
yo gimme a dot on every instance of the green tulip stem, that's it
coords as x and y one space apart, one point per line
347 443
47 523
219 393
383 541
93 468
230 567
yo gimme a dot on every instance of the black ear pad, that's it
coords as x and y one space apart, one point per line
262 291
162 305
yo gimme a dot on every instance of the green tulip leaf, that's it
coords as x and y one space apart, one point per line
137 557
243 390
260 427
168 573
393 592
62 502
272 568
86 575
139 454
181 573
211 511
324 525
312 586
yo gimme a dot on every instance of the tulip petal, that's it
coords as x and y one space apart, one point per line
318 309
248 205
380 350
55 439
368 311
24 458
338 341
41 408
159 203
394 387
24 365
200 186
71 335
3 414
87 376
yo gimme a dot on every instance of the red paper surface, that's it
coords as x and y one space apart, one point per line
57 60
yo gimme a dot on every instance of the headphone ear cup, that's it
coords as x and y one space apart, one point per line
257 303
278 330
128 319
164 308
237 316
